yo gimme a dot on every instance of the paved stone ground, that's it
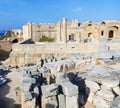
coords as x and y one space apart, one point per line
8 97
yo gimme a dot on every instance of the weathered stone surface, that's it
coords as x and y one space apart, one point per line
27 95
106 94
116 102
50 102
29 104
79 63
72 102
69 89
92 85
87 68
116 90
25 87
99 102
49 90
104 87
99 72
28 80
110 83
90 97
61 100
60 78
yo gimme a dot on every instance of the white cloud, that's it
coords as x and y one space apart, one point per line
78 9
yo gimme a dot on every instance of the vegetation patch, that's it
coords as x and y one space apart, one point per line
46 39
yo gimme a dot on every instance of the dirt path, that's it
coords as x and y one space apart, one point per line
7 91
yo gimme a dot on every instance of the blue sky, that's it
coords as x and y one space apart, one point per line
15 13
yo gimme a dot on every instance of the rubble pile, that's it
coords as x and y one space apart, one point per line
71 83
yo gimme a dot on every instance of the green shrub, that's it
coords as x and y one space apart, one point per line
46 39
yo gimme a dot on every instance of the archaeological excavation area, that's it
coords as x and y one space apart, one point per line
80 69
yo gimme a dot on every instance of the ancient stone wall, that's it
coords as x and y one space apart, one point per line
28 53
65 31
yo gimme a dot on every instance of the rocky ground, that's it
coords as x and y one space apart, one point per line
76 82
8 98
90 82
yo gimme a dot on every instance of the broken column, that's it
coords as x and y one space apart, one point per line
64 31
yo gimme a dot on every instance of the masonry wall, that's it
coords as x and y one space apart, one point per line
28 53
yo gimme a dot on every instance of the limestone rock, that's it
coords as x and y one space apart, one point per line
61 100
25 87
116 90
28 80
49 90
50 102
110 83
69 89
92 85
90 97
27 95
106 94
29 104
72 102
99 72
99 102
116 102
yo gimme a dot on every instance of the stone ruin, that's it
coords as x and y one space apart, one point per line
71 83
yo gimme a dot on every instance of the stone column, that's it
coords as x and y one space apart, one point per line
30 30
58 32
64 31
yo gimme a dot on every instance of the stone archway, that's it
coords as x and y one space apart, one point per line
111 34
89 34
15 41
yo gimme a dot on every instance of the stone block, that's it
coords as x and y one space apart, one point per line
25 87
99 102
99 72
28 80
116 102
106 94
27 96
117 90
50 102
49 90
69 89
79 63
110 83
72 102
61 100
90 97
60 78
93 86
29 104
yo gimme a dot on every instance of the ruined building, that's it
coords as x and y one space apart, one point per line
70 38
73 31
